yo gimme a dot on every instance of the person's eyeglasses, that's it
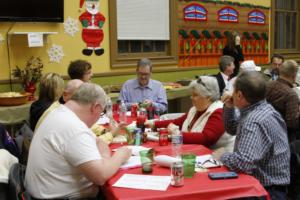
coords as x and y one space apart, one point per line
143 74
199 81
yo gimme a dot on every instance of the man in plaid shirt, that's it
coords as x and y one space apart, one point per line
261 147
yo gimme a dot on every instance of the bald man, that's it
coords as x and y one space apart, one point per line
70 88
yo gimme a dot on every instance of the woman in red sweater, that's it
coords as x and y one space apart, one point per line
203 123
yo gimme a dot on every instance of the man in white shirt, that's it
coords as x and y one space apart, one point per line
66 160
226 66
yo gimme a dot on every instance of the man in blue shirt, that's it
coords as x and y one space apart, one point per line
143 89
261 147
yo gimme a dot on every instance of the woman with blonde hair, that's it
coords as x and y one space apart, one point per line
51 89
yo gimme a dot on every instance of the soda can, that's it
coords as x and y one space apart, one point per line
163 137
134 109
177 171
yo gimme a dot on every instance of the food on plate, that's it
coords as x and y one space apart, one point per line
11 94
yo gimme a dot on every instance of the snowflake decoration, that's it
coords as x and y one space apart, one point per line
56 53
71 26
1 38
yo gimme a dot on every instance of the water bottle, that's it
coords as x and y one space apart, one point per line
137 137
109 109
123 110
177 141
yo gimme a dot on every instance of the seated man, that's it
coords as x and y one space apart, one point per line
66 160
284 99
261 147
143 89
272 72
226 66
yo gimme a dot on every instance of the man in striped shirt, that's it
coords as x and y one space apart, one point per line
261 147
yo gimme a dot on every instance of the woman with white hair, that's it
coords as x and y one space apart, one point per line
203 123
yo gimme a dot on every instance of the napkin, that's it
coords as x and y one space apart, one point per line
152 136
165 161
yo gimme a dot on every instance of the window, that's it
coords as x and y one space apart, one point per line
195 12
228 14
256 17
142 28
286 17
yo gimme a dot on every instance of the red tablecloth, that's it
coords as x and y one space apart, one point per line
198 187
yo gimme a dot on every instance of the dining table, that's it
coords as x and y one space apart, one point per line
200 186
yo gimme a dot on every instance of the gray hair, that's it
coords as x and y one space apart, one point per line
143 63
225 61
252 85
89 93
206 86
288 69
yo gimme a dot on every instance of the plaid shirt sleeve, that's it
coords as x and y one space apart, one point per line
250 148
230 120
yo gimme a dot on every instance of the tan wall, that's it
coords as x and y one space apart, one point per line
19 52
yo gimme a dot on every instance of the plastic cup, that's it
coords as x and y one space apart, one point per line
188 164
147 161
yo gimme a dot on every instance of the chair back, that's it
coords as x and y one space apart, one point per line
294 187
23 140
16 189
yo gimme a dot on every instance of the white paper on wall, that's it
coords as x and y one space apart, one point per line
71 26
35 39
56 53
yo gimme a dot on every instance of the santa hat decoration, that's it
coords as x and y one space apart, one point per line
81 3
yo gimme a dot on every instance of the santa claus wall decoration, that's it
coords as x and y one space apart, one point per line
92 22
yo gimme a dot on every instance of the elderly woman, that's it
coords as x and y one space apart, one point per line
51 88
203 123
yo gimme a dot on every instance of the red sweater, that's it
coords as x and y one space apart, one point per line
211 133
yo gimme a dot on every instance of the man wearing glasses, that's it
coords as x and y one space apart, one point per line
143 89
272 72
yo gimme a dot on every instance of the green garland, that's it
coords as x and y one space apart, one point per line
256 36
195 34
227 33
206 34
183 33
230 3
217 34
264 36
247 35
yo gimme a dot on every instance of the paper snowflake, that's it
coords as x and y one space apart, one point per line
1 38
56 53
71 26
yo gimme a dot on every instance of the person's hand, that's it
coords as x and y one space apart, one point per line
124 152
227 99
150 123
116 127
172 127
147 102
103 148
218 153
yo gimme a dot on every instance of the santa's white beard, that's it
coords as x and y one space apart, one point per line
92 10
